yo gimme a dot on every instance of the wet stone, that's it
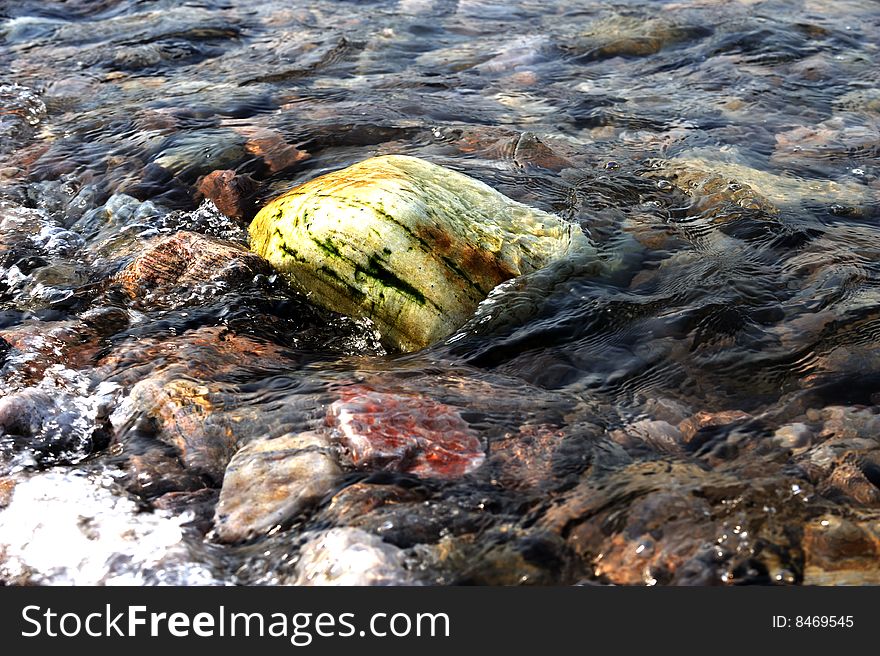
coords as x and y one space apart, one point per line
230 192
839 551
682 525
794 436
191 154
173 269
192 417
855 476
423 519
49 424
270 481
668 410
503 556
525 459
403 432
35 346
849 422
350 556
354 502
410 245
658 435
703 420
207 352
618 35
270 146
22 112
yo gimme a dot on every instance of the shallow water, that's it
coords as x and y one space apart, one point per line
698 406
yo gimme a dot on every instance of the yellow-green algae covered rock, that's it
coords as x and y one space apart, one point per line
411 245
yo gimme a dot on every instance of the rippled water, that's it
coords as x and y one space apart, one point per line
699 406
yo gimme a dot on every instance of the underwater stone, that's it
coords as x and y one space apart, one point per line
195 419
350 556
229 191
269 481
405 433
411 245
172 268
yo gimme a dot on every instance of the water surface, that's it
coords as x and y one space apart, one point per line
700 406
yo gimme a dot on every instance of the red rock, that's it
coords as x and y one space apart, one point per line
404 432
230 192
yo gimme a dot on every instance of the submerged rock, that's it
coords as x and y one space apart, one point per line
350 556
22 112
176 265
209 352
32 347
270 146
269 481
191 154
682 525
841 552
713 182
61 420
187 417
229 191
619 35
411 245
404 433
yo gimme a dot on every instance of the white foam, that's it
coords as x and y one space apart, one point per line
71 529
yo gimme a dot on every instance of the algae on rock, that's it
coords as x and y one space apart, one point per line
411 245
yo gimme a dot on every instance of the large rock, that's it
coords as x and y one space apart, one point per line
411 245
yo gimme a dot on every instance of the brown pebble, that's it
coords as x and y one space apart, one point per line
277 154
692 425
230 192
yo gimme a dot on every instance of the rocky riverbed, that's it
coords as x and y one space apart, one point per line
697 401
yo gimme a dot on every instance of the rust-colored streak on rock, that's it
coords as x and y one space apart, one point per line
484 269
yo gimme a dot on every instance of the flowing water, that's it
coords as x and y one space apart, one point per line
699 406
